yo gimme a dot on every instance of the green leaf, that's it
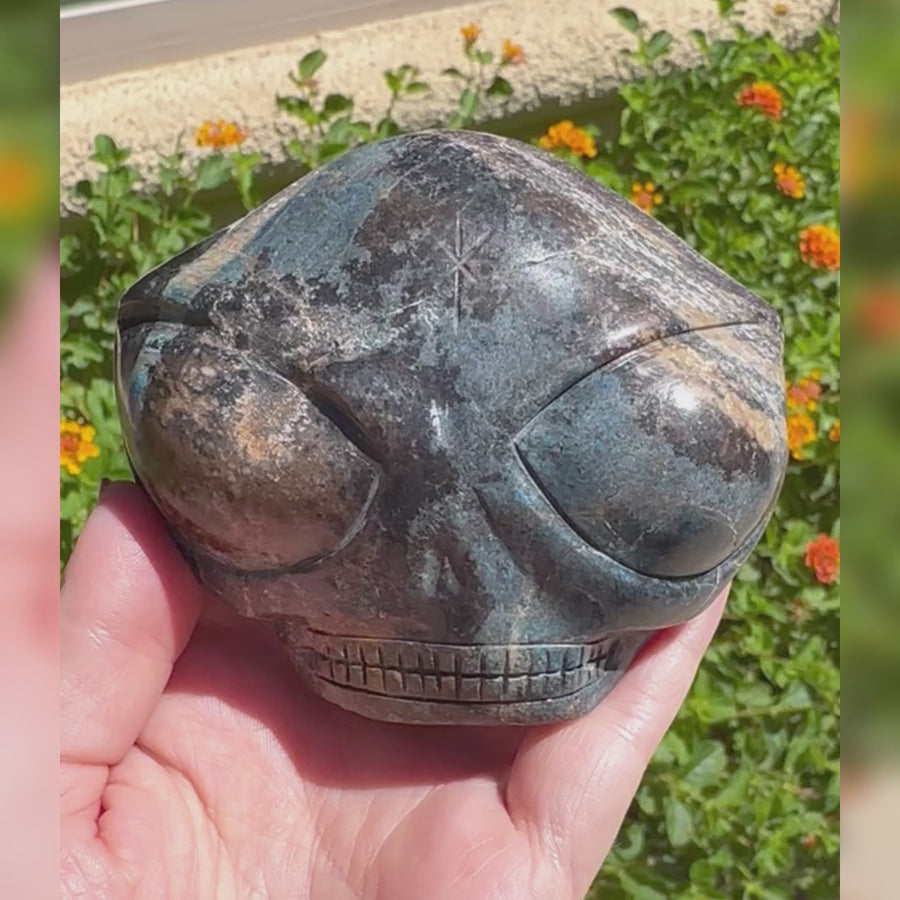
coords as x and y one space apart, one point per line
468 104
627 19
452 71
104 148
310 64
106 153
499 87
417 87
706 765
335 104
679 823
212 172
299 108
727 7
393 80
700 40
658 45
386 128
796 697
637 890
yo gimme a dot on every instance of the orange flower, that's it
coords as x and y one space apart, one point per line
765 97
801 430
512 53
834 433
789 181
804 394
820 247
470 33
566 136
220 134
76 445
879 312
823 556
21 184
645 196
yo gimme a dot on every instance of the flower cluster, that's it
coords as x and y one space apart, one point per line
801 430
76 445
801 399
21 184
789 181
820 247
567 136
512 53
762 96
823 556
645 196
220 134
804 394
879 312
470 33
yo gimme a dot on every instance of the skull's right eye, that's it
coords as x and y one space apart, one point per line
250 471
669 457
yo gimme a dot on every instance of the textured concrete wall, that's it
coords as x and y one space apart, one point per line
572 48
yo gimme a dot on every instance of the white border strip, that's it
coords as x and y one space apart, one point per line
92 9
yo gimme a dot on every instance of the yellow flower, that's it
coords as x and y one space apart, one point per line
220 134
470 33
801 430
512 53
76 445
789 181
645 196
820 247
834 433
566 136
780 9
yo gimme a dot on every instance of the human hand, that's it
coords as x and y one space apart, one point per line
195 764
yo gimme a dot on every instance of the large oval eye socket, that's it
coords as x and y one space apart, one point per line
667 458
250 470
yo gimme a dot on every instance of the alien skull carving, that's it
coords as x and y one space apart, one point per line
467 426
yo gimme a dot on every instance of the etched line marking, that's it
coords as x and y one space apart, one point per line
460 256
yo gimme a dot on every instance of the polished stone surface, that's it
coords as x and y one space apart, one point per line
465 425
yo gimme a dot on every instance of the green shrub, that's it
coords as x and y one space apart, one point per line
741 799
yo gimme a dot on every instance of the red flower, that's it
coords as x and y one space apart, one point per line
823 556
765 97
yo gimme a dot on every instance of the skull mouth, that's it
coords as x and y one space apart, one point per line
448 673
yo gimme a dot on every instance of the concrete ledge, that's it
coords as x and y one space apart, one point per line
572 48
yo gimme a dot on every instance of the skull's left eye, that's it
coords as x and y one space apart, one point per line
669 457
252 471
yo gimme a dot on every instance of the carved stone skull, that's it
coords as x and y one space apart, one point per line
466 425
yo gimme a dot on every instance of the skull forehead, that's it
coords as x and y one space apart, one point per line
465 252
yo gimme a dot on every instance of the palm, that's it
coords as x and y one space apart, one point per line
240 783
286 796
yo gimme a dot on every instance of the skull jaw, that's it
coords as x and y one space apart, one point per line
419 682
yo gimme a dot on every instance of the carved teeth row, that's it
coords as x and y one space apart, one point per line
461 673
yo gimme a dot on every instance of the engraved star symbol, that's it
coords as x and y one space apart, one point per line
460 256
